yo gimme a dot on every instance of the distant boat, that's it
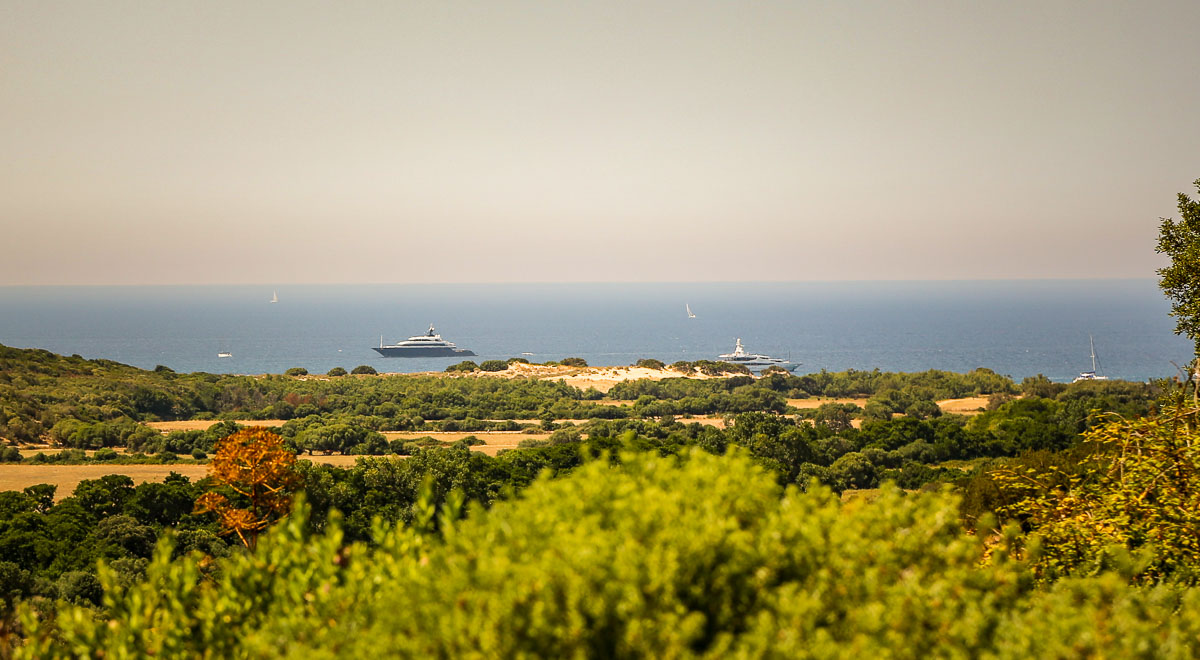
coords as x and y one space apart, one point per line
1090 375
224 354
689 311
274 296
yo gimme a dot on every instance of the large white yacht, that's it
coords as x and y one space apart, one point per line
429 344
754 361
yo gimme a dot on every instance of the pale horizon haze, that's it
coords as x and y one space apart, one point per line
298 142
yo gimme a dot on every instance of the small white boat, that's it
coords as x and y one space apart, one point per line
274 296
1090 375
689 311
224 354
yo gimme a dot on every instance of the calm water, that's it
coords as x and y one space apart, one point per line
1019 328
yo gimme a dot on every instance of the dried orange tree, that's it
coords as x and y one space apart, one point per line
255 465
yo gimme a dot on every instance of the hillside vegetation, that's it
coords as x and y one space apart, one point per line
692 556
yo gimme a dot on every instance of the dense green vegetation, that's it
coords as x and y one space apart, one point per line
49 550
420 498
690 556
822 443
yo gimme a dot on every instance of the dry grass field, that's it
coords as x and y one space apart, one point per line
67 477
494 440
818 401
203 424
971 405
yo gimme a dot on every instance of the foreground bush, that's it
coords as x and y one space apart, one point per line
658 557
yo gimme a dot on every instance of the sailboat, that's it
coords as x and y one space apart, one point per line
689 311
1090 375
274 296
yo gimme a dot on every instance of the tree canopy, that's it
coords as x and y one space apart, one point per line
1180 281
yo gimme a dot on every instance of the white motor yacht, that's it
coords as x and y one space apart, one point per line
754 361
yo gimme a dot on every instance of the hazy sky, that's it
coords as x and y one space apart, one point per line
392 141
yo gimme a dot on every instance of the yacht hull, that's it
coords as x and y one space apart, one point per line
760 366
420 351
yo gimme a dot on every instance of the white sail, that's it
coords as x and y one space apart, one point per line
689 311
274 296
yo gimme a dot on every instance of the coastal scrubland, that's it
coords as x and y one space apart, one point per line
391 461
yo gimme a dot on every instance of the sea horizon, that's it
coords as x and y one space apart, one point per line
1016 327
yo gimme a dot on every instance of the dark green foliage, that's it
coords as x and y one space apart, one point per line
573 362
364 369
336 372
80 588
57 545
853 470
493 365
1180 281
650 363
16 584
342 438
465 365
296 371
1040 386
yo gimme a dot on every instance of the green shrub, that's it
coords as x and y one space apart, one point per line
573 362
650 363
465 365
469 441
364 369
336 372
296 371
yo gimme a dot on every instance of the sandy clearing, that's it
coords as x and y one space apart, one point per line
601 378
970 405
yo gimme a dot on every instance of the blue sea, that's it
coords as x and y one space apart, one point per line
1018 328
